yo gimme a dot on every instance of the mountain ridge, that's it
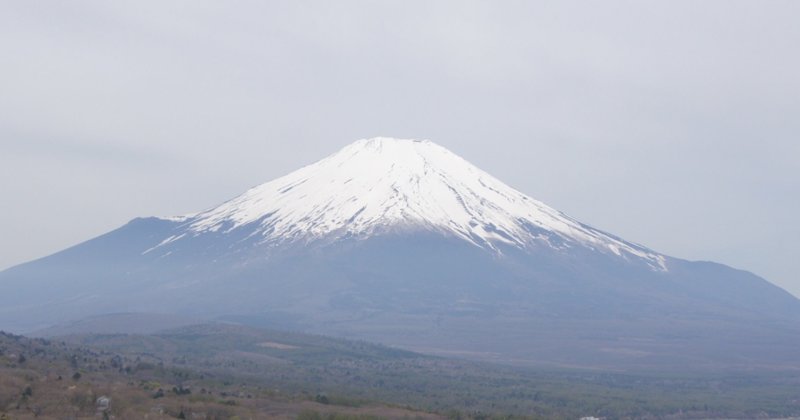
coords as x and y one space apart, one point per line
550 298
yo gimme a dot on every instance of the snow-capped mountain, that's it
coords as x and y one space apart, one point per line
404 242
380 185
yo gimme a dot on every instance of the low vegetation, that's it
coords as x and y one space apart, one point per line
51 379
224 371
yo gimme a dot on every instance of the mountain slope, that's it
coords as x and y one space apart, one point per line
404 242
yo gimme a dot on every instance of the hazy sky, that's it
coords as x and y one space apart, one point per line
672 124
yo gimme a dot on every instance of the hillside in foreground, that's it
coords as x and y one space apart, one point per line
51 379
221 371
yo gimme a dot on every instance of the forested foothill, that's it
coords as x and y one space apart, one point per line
228 371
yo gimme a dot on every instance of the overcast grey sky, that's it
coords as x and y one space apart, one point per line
672 124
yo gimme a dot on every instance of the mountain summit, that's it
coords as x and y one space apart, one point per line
382 185
404 242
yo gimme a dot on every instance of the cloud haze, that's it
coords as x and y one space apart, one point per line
673 124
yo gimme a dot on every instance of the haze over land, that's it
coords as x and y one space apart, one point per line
671 124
